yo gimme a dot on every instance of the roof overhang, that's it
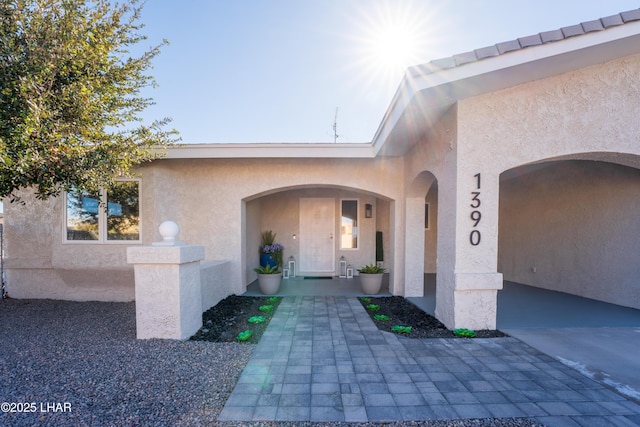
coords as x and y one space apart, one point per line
270 150
425 95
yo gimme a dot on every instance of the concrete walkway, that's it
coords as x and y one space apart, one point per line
323 359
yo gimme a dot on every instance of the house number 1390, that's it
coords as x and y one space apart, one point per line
476 215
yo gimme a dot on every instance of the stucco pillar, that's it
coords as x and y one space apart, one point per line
167 290
414 248
467 277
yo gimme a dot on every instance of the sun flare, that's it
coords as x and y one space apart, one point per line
392 37
394 47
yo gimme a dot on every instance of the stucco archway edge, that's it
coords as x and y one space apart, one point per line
414 251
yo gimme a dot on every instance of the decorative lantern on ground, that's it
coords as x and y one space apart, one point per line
292 266
342 272
349 271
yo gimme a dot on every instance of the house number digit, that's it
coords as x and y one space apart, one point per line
476 215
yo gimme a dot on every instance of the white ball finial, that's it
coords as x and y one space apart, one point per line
168 230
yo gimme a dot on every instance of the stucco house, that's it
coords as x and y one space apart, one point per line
524 156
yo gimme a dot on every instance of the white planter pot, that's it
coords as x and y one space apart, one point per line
371 283
269 283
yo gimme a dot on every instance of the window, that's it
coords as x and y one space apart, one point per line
349 225
110 216
426 216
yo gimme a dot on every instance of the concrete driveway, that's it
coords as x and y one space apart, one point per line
600 340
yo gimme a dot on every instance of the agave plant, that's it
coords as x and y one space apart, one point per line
245 335
267 269
401 329
371 269
463 332
256 319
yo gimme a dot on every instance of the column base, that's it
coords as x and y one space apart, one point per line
472 303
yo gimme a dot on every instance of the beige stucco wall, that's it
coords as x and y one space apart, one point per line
587 114
38 265
217 203
210 198
593 110
573 226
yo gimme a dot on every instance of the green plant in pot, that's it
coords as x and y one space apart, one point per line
371 278
269 278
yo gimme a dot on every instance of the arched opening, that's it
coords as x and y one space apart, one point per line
570 226
421 239
322 229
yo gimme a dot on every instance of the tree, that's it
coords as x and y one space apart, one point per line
70 95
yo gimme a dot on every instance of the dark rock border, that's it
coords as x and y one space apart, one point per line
224 321
404 313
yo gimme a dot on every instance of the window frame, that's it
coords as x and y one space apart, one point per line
358 220
102 221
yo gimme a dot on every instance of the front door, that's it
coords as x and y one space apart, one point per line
317 245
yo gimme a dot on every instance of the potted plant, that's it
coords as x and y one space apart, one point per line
270 252
268 279
371 278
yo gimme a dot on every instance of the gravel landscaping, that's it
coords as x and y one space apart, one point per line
86 354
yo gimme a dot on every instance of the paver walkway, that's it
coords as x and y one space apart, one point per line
323 359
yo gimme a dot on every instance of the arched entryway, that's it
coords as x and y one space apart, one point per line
320 226
572 225
421 235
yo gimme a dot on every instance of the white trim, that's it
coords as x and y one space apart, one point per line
271 150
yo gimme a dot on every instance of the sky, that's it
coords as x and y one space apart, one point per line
246 71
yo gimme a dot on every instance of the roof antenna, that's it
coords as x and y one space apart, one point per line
335 127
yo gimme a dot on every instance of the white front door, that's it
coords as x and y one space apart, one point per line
317 226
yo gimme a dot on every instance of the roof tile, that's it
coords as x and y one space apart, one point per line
443 63
551 36
530 40
487 52
630 15
523 42
465 58
590 26
612 21
508 46
573 30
